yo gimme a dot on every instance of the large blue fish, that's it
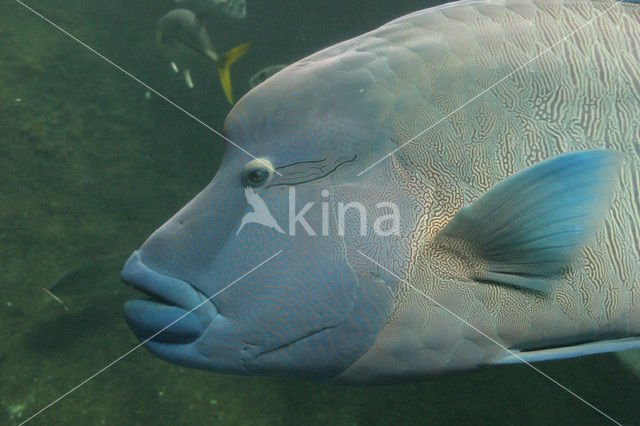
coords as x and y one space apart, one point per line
504 227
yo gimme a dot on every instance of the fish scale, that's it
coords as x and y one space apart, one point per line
567 101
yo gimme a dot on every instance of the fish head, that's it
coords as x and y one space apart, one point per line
263 271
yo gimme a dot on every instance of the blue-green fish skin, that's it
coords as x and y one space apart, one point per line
515 167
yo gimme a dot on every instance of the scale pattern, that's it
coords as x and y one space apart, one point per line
545 78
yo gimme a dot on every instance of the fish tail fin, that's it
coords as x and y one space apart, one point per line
224 68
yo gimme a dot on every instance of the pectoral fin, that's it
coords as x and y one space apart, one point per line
224 68
531 224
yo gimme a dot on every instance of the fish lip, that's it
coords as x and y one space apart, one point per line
165 288
155 321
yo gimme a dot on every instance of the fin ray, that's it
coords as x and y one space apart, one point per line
531 224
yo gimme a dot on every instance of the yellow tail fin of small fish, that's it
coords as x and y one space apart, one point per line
224 68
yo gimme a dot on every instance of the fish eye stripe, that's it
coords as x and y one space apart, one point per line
341 162
300 162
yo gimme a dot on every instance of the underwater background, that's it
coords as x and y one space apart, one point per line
91 163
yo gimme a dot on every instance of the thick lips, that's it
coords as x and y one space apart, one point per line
176 305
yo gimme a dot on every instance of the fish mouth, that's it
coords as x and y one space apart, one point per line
175 312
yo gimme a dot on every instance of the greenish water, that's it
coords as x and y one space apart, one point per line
90 166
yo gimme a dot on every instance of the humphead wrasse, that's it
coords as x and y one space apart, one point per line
456 189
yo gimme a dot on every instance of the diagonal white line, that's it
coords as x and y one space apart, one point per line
142 83
143 342
492 339
562 40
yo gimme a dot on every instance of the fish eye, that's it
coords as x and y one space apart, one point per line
257 172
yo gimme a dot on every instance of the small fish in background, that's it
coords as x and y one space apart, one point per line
264 74
183 37
236 9
72 286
